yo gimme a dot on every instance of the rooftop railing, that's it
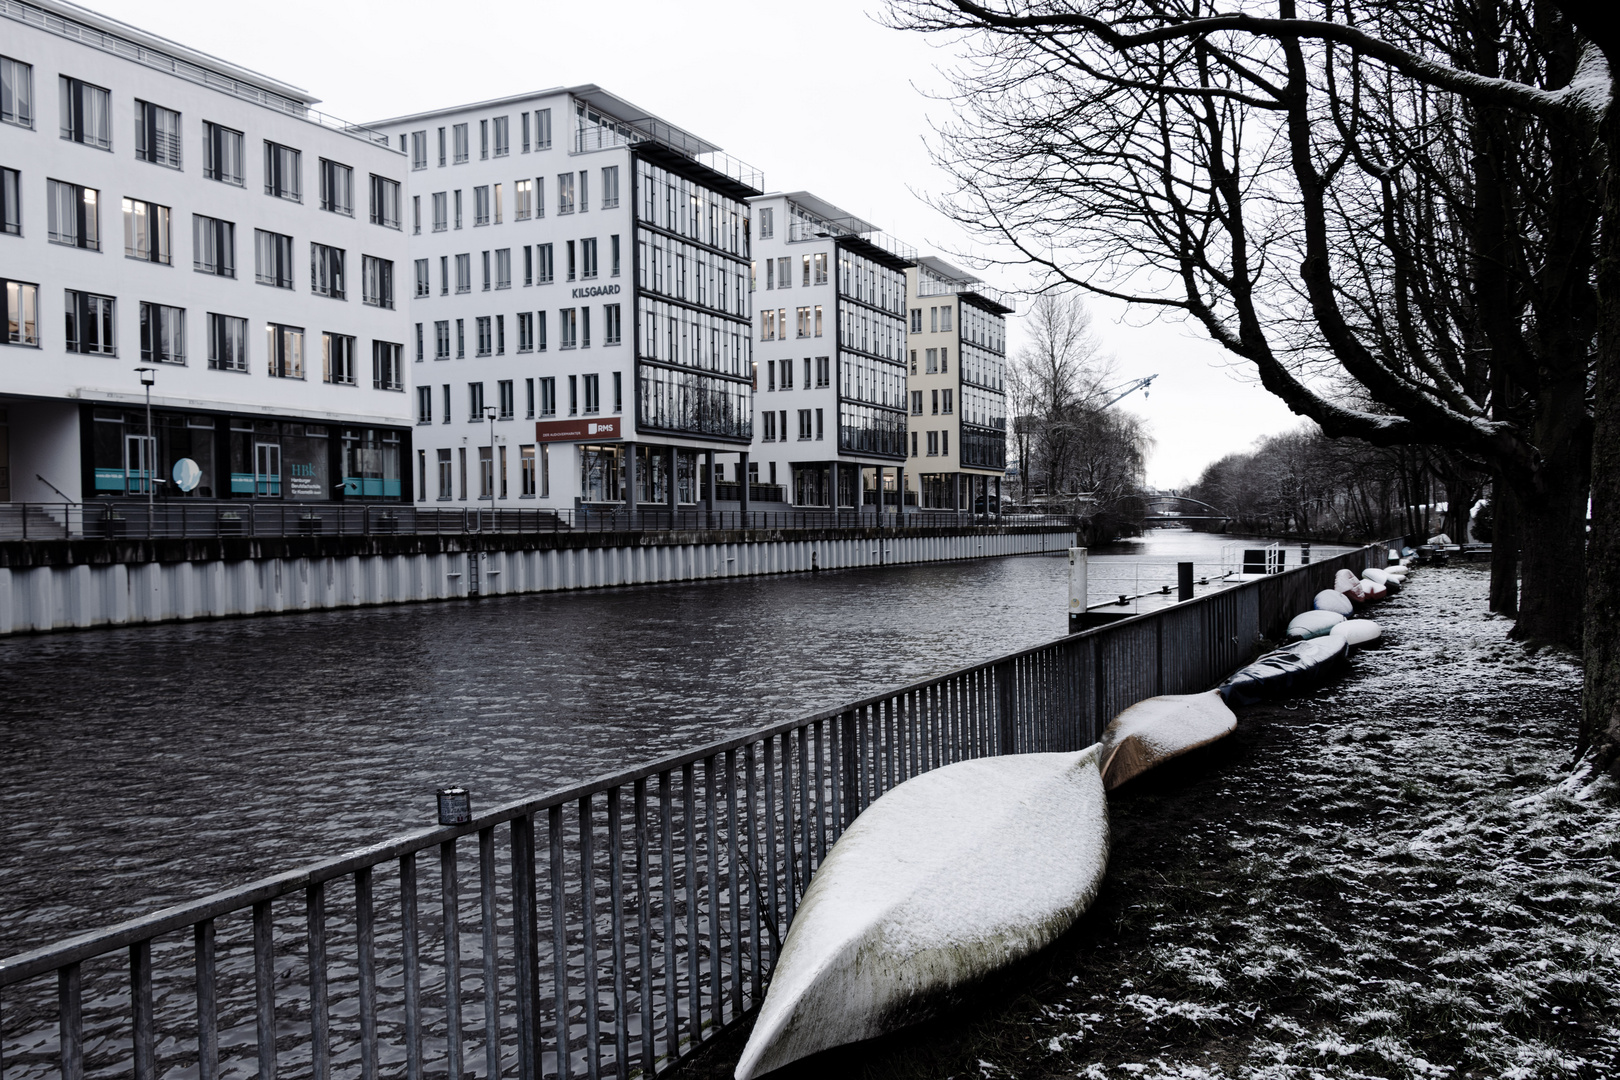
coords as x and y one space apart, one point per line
607 929
932 286
593 137
184 69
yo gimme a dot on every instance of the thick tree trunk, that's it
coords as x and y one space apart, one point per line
1600 705
1553 519
1504 549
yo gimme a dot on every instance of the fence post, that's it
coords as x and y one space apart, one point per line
1006 723
850 785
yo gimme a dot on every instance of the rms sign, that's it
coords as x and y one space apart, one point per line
578 430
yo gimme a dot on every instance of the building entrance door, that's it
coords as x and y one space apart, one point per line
267 470
139 452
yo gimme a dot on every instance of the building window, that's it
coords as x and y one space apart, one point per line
503 268
565 193
475 401
157 134
464 273
618 391
916 320
568 318
522 200
593 393
387 366
459 133
484 336
767 223
803 315
804 424
441 211
818 321
424 404
385 202
73 217
613 324
10 202
441 340
944 362
418 150
587 258
282 172
416 215
573 395
91 325
337 359
146 231
945 319
326 271
526 472
584 327
163 334
213 246
445 472
542 129
767 324
284 350
419 343
932 366
933 444
610 187
548 396
441 148
916 402
819 428
613 245
545 256
484 258
458 207
483 140
945 405
539 331
769 434
86 113
423 278
22 312
481 205
222 154
503 136
337 188
913 444
786 367
507 399
823 371
16 92
227 343
525 331
461 338
444 275
377 281
945 443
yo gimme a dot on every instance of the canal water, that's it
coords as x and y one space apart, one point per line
144 766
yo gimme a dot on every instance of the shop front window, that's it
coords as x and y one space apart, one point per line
128 458
371 464
600 468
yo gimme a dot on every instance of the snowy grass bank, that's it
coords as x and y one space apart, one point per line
1397 877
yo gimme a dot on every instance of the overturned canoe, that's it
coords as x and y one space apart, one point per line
951 875
1359 633
1335 601
1158 729
1309 624
1295 669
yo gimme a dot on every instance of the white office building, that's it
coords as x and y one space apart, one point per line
166 209
830 299
580 309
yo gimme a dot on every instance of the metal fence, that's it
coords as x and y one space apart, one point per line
604 930
179 519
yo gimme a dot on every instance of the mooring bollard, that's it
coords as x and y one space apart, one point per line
455 806
1077 588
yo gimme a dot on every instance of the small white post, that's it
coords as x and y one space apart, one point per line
1077 587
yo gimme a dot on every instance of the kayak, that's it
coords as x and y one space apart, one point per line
1335 601
1359 633
1293 669
948 877
1379 577
1160 728
1309 624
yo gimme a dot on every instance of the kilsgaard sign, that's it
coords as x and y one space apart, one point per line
587 291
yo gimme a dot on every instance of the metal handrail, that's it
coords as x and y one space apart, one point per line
777 798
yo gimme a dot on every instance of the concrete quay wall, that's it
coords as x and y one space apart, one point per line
74 584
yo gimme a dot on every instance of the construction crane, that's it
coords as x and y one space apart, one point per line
1125 390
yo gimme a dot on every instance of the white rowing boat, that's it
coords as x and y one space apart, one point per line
950 876
1152 732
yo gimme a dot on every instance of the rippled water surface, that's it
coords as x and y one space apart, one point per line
145 766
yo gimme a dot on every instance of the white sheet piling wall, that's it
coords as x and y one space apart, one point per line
42 599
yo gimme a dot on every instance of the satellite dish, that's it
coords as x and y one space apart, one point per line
186 474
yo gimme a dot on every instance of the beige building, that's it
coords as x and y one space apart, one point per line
956 346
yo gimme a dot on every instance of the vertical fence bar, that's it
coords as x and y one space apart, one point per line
410 945
70 1020
450 899
559 940
821 793
264 985
789 890
487 953
717 997
207 1002
320 1039
768 813
756 914
526 946
649 1056
587 917
730 786
365 947
694 971
804 808
666 821
140 999
621 1010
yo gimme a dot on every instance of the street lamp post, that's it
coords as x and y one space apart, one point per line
148 377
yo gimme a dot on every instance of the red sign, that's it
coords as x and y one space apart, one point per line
580 430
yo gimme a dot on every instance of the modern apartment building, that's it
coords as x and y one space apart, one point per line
956 350
830 294
580 310
165 209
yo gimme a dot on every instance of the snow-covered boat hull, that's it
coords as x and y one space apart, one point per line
1152 732
950 876
1295 669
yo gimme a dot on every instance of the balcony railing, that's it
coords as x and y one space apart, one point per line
599 137
932 286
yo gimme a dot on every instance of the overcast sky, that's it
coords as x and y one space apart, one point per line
818 95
